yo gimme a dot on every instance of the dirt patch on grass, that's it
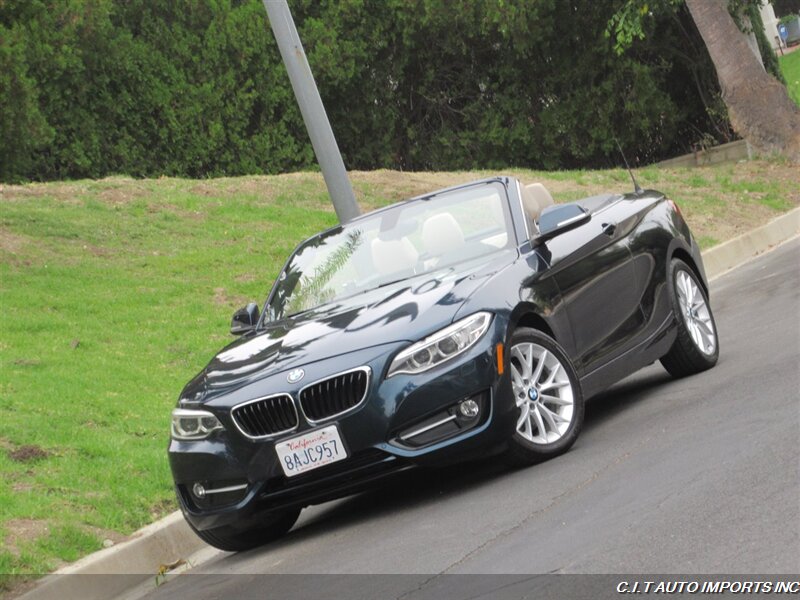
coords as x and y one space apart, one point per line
22 250
155 208
20 531
787 177
20 481
13 243
120 191
221 298
22 487
27 453
111 190
27 362
68 192
738 218
301 189
725 205
163 508
245 278
96 250
264 187
108 537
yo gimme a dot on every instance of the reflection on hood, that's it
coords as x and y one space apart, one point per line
406 310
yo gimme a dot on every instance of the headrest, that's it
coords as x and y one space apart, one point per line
441 233
535 198
393 256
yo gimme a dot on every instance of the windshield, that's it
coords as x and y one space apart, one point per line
411 239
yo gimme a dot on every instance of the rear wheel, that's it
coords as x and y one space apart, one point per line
548 396
696 347
234 539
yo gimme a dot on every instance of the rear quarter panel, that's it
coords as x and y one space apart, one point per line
660 232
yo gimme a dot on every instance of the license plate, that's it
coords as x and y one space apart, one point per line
310 451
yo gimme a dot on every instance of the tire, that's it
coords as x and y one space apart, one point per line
235 539
544 434
696 347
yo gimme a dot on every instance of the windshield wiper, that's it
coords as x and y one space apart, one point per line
381 285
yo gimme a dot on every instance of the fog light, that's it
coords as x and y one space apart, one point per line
198 490
469 408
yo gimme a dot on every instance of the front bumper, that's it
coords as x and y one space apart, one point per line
375 435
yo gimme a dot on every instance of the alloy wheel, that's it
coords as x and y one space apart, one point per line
695 313
542 391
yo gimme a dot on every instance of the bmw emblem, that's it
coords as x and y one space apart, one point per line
533 394
295 376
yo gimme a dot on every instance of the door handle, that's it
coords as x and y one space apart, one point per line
609 228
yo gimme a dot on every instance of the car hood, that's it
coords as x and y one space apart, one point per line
406 310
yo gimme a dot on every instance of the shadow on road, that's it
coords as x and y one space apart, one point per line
623 395
404 491
413 489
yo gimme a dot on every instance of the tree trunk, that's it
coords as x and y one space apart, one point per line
759 106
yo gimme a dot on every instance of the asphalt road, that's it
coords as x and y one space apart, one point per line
698 475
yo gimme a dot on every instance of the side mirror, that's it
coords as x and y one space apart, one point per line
559 218
245 319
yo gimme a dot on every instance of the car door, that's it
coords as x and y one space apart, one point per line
593 268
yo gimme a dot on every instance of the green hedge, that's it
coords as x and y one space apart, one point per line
196 88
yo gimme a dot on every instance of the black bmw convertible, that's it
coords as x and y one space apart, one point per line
473 321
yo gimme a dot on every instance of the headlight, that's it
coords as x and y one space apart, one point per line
441 346
193 424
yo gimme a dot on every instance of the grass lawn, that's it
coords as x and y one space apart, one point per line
114 292
790 66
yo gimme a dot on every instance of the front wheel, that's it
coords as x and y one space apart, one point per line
234 539
548 395
696 347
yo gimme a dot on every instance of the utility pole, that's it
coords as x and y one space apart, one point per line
314 116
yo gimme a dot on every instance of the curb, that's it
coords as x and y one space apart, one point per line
162 545
170 542
727 255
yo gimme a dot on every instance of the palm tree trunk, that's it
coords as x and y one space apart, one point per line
759 106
